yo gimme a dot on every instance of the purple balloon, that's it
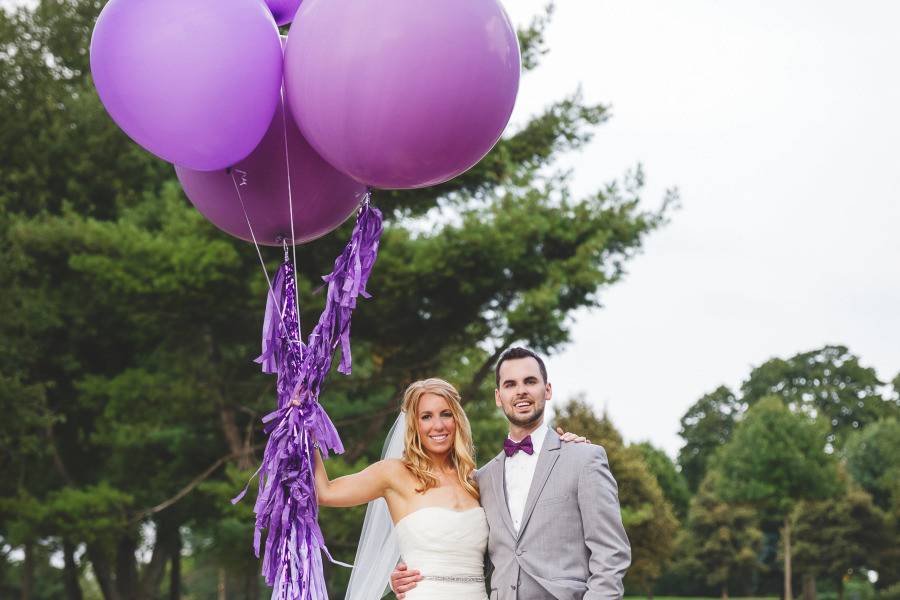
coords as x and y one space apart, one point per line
323 197
402 93
195 82
283 10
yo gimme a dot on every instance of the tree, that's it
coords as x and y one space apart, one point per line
873 458
888 564
648 518
706 427
829 383
773 461
838 535
671 481
132 321
722 539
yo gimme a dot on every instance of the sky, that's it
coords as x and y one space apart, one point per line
778 123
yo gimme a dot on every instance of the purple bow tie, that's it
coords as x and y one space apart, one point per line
511 447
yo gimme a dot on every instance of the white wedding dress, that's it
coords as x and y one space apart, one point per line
447 547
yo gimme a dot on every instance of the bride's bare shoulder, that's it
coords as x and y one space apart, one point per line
397 477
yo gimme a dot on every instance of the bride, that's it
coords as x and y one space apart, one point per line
423 501
431 496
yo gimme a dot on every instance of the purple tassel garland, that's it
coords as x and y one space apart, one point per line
286 505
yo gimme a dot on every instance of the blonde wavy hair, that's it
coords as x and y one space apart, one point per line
462 455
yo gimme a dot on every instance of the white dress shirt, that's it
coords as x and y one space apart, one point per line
518 473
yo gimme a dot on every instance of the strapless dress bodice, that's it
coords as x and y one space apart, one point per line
447 547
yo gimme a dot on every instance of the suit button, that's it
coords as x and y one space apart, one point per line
512 587
520 552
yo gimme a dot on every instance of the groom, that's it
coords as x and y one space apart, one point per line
553 509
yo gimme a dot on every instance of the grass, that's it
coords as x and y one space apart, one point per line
701 598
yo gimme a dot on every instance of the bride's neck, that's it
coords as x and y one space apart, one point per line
441 462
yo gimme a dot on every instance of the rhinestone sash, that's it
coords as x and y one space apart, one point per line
454 578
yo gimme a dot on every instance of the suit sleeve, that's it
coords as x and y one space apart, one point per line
610 551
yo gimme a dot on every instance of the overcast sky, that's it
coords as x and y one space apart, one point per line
779 122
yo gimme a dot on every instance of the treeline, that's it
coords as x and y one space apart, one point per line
792 481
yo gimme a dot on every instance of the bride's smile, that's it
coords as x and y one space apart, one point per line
436 425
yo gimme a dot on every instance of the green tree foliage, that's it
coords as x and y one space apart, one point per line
721 540
829 387
648 517
873 457
774 461
888 562
706 427
128 323
839 535
671 481
827 383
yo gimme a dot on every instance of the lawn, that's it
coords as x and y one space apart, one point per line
701 598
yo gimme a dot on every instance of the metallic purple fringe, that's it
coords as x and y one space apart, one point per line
286 505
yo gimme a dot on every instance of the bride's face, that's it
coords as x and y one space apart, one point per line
437 427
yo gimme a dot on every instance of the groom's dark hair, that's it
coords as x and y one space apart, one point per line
518 352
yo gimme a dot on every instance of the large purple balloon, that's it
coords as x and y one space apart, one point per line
402 93
323 198
195 82
283 10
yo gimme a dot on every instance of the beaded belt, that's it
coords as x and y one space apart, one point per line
455 578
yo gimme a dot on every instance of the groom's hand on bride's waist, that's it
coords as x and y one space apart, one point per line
403 580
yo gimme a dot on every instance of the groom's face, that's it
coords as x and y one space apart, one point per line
522 392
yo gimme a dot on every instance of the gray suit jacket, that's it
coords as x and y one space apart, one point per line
571 543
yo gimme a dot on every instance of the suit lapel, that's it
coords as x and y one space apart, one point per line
498 485
549 454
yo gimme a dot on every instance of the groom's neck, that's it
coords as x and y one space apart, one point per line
517 433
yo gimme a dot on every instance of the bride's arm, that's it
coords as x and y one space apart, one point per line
355 489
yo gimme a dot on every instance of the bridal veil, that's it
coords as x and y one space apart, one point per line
378 551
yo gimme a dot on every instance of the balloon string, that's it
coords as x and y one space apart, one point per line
262 262
287 165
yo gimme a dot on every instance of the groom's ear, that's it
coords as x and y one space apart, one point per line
548 391
497 398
